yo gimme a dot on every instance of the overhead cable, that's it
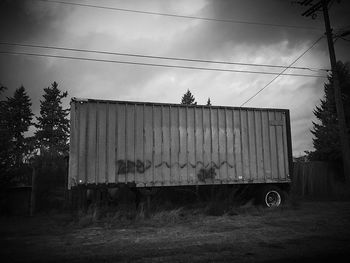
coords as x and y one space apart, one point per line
159 57
282 72
157 65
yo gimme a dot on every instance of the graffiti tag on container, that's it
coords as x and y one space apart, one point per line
127 166
206 173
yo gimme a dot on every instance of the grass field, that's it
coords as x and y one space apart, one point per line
310 231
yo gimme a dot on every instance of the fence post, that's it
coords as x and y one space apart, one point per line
303 181
66 191
33 192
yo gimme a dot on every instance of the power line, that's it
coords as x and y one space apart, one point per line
159 57
157 65
307 50
180 16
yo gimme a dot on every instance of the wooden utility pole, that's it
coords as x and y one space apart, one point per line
344 140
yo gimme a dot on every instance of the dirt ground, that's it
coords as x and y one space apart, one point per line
312 231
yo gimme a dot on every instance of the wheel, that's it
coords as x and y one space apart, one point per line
271 196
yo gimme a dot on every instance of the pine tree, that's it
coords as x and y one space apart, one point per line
5 135
188 98
326 133
18 119
208 102
53 125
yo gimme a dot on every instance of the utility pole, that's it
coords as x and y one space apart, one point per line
344 140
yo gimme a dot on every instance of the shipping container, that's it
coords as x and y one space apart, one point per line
158 144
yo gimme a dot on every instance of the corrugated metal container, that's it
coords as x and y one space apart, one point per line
154 144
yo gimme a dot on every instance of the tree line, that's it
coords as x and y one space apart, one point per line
188 99
50 137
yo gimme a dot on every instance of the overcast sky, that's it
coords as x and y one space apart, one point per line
54 24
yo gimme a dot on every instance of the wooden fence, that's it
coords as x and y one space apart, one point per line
317 179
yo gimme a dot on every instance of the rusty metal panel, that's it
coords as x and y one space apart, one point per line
245 144
199 144
285 147
91 144
183 144
157 127
215 162
253 145
191 161
111 142
273 147
231 171
237 144
101 159
207 174
139 144
166 144
121 162
259 144
279 145
174 145
130 142
81 113
166 161
148 144
73 146
222 145
266 145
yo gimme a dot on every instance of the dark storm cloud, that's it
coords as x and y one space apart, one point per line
266 12
209 36
21 20
204 39
15 20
